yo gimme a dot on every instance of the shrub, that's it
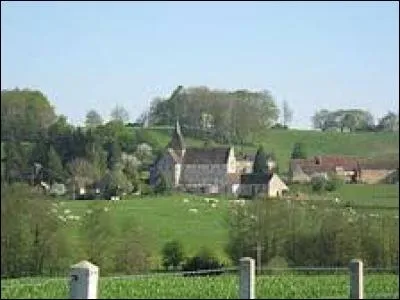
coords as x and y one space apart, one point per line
173 254
333 183
204 260
318 183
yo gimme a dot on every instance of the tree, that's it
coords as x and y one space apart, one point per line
320 119
287 114
299 151
260 161
119 113
389 122
173 254
349 121
13 161
114 155
82 172
93 119
55 167
115 183
25 114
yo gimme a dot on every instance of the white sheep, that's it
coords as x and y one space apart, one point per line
193 210
185 200
213 205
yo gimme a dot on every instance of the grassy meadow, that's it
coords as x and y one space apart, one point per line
164 218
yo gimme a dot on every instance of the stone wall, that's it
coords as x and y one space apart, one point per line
204 174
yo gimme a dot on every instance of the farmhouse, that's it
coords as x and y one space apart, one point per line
207 170
352 169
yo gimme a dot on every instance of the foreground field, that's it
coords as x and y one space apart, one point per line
223 287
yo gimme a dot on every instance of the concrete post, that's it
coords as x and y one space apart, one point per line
356 279
247 278
84 281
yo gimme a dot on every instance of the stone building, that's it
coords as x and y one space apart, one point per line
204 170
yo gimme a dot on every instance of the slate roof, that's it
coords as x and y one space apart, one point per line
379 164
206 155
177 142
255 178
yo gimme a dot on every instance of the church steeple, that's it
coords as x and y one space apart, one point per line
177 142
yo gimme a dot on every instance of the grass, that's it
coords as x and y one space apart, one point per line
223 287
281 142
165 218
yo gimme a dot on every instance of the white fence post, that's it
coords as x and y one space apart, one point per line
84 281
247 278
356 279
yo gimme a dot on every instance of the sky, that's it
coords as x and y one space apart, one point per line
96 55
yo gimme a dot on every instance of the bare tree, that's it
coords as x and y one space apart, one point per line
119 113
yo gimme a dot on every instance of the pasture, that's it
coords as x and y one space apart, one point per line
224 287
197 223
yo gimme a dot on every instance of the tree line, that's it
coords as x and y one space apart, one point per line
354 120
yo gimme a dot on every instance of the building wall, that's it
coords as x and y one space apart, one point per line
276 187
375 176
231 161
244 166
166 166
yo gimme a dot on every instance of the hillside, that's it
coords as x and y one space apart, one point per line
364 144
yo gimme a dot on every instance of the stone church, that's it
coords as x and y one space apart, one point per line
208 170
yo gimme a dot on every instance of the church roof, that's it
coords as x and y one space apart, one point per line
206 155
177 142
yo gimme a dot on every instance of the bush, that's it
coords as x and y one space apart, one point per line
173 254
204 260
318 183
333 183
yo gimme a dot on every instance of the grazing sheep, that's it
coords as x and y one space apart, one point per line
185 200
67 211
193 210
213 205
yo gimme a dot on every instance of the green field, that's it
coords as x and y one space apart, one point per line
164 218
222 287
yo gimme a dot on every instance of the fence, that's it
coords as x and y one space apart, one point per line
83 282
85 276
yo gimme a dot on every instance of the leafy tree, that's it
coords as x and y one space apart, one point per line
299 151
25 114
54 166
260 161
163 184
61 137
173 254
115 183
287 114
203 260
13 162
114 155
93 119
82 172
119 113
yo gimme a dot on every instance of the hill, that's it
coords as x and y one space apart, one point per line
363 144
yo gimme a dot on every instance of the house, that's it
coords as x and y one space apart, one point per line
352 169
374 171
302 170
248 185
205 170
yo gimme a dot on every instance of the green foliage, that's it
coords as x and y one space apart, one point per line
25 114
260 161
56 170
352 119
114 155
173 254
32 242
299 151
115 183
333 183
318 183
120 114
203 260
